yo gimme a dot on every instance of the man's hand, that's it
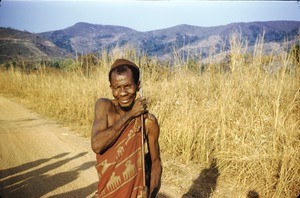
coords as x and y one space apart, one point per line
155 178
139 107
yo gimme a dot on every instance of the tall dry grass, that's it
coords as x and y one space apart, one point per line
245 120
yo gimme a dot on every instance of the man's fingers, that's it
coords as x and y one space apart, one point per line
142 100
139 95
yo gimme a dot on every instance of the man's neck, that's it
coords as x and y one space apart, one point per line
122 110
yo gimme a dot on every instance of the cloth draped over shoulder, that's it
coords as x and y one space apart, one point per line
120 167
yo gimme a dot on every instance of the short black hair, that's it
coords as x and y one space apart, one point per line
123 68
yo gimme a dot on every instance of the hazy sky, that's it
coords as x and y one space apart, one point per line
40 16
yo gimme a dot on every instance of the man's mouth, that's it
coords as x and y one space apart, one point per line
124 101
126 104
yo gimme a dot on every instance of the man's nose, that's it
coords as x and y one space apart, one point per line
123 91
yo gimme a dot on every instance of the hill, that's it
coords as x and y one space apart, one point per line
15 45
85 38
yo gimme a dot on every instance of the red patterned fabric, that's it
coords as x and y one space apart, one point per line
120 167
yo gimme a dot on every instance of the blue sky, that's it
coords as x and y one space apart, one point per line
40 16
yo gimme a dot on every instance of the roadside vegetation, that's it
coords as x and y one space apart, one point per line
238 119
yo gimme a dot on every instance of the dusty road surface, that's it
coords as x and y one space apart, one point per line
38 158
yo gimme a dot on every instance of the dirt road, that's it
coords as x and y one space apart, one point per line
38 158
41 159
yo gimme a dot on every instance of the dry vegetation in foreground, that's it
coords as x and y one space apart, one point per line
223 134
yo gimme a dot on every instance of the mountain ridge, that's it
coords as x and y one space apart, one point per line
16 44
85 38
160 42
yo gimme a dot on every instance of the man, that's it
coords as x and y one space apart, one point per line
117 137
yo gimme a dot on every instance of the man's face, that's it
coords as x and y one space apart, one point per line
123 88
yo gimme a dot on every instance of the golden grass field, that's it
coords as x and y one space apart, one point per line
244 123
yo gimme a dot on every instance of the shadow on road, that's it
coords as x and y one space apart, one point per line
252 194
162 195
205 184
27 166
82 192
28 180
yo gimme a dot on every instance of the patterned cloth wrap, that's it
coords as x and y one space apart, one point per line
120 167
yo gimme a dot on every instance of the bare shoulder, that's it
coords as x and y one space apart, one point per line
102 107
102 103
104 100
151 118
152 125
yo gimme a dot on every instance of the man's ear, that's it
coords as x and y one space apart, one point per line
138 85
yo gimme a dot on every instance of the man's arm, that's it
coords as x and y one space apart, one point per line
103 135
156 168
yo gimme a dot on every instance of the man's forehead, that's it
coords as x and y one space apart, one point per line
123 75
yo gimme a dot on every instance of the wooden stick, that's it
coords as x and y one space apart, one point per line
142 130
